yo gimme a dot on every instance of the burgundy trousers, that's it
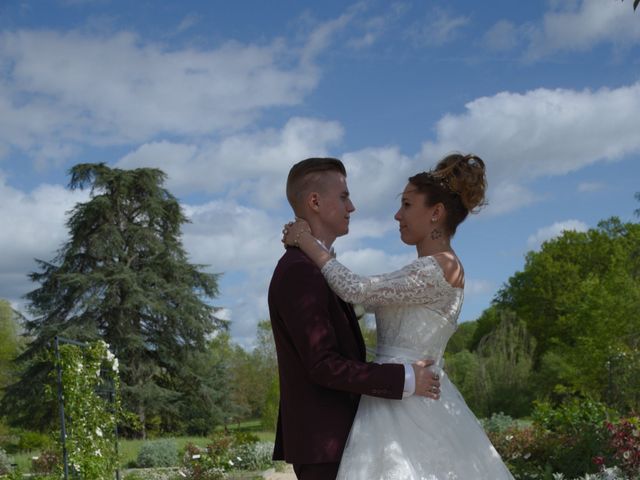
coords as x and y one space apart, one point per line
316 471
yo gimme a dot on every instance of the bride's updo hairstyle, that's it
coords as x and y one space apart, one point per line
458 182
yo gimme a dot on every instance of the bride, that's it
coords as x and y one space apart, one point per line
416 311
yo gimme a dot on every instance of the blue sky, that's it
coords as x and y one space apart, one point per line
226 96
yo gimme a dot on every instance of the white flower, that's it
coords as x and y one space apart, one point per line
99 431
508 438
98 453
230 463
195 457
626 455
115 364
526 456
110 356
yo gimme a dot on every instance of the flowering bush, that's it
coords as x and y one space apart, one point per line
525 450
5 462
226 452
47 463
92 419
624 442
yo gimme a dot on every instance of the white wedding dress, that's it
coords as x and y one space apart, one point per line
415 438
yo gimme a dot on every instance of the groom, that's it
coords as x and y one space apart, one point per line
321 352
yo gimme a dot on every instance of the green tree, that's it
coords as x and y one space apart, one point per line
10 342
496 377
123 276
461 339
579 296
206 389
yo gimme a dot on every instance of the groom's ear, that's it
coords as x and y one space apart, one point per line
313 201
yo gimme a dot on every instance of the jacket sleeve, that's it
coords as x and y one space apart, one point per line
304 309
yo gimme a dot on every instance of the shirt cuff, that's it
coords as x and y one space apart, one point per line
409 381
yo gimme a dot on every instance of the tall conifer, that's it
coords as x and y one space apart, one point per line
123 276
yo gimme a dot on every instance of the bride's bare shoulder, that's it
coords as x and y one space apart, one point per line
451 268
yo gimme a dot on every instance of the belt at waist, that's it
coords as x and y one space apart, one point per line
391 354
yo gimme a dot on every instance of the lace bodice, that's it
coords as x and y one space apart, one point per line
416 308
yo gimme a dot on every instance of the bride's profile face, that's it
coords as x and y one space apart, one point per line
413 216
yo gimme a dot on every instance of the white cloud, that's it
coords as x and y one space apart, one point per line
591 186
376 178
578 26
74 89
555 230
187 22
251 166
439 27
34 227
507 197
541 132
502 36
230 236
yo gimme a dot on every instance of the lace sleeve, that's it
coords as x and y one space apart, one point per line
413 284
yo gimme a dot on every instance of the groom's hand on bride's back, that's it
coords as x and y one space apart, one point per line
427 381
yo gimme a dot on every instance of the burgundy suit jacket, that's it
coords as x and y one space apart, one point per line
321 364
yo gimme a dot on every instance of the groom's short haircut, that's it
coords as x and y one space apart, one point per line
306 176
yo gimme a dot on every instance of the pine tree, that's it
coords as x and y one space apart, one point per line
123 276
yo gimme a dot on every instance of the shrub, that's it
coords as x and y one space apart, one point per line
47 463
498 422
5 462
226 451
198 465
30 441
158 453
580 425
252 456
624 441
526 450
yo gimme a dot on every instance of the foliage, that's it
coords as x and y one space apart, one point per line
158 453
123 276
462 338
18 440
253 377
624 441
526 450
580 423
226 451
92 419
253 456
497 423
579 297
271 405
10 342
5 462
567 439
47 463
496 377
